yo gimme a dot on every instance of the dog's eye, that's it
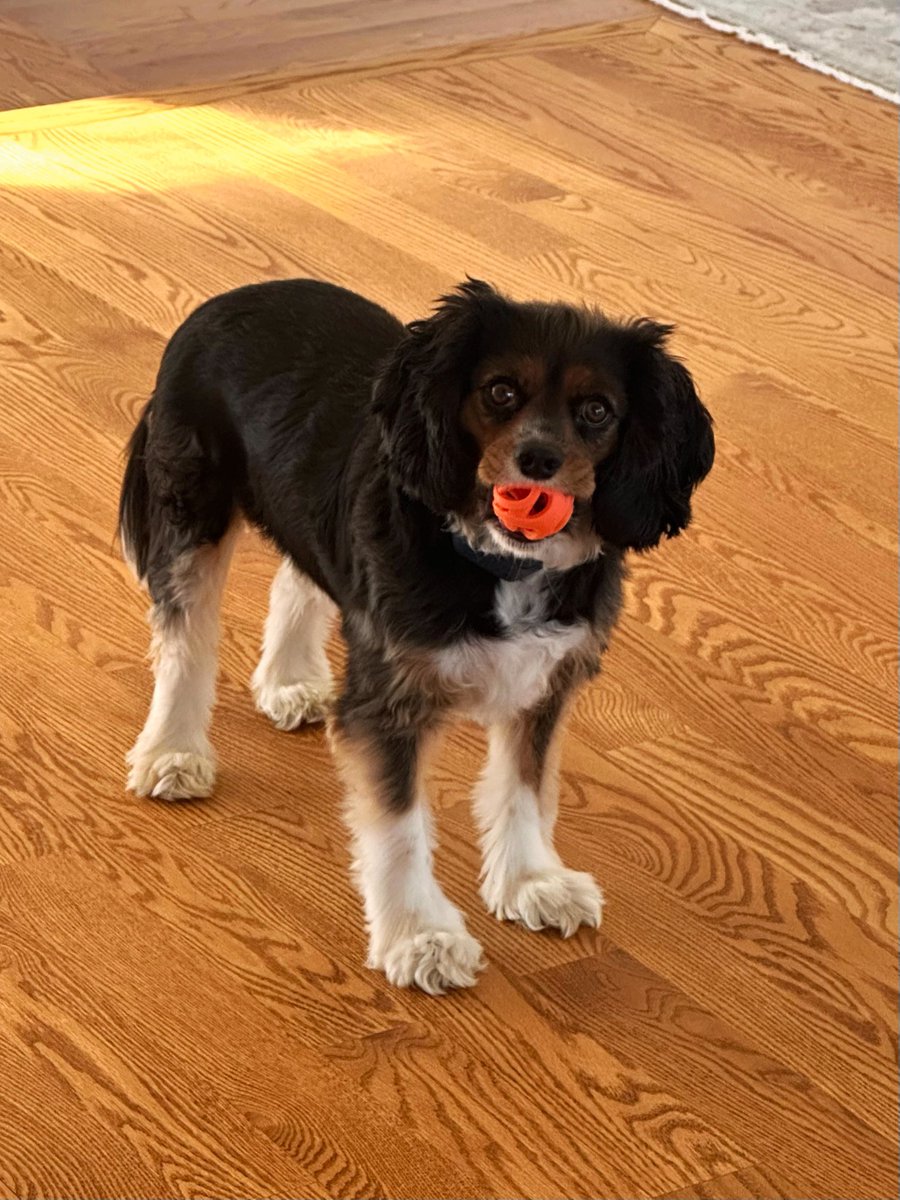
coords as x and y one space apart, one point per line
504 394
595 411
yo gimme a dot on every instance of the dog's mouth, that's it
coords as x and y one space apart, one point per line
512 534
484 533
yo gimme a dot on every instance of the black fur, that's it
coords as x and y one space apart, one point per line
418 395
135 517
665 449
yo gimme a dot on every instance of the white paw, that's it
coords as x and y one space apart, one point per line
171 775
552 899
433 960
294 704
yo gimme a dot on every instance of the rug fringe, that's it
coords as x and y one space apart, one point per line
770 43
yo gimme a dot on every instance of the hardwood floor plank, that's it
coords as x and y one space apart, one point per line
806 1134
522 1099
49 1144
187 48
36 69
257 1112
103 109
229 45
753 1183
746 924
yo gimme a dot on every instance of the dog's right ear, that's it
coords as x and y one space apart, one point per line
418 397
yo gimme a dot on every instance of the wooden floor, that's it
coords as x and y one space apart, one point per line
183 1006
54 50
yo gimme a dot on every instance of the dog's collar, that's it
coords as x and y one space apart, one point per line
501 566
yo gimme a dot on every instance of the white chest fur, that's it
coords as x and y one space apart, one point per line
498 677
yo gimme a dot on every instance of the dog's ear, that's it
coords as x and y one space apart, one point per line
418 397
666 447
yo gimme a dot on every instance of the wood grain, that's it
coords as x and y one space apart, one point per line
184 1008
40 70
57 47
751 1184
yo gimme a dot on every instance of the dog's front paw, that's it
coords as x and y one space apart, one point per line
555 898
171 775
433 960
290 705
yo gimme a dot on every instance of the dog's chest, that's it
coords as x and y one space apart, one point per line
494 678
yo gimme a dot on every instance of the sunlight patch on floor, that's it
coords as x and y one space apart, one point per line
126 159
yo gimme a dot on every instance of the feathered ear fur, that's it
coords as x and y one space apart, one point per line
418 396
666 447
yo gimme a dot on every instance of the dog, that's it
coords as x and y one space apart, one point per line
367 450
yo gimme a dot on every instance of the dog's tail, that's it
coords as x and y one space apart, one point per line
135 520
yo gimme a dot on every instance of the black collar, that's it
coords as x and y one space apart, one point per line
502 566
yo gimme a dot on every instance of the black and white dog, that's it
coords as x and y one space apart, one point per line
367 451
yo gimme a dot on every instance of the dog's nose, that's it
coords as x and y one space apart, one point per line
538 461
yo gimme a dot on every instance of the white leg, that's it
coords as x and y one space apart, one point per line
292 684
416 936
172 758
523 878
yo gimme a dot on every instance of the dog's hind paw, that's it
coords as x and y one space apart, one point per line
171 775
434 960
294 704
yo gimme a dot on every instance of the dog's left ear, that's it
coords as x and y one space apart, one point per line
666 447
418 396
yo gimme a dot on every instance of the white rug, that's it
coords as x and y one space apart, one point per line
854 40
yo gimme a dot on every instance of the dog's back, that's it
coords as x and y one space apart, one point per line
240 383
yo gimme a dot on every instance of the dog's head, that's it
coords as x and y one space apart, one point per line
487 391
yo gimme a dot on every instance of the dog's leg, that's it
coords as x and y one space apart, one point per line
416 936
523 878
292 684
172 758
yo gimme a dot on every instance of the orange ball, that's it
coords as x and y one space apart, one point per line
534 511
